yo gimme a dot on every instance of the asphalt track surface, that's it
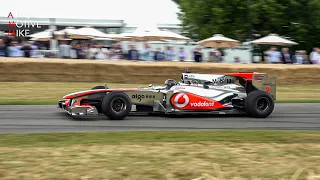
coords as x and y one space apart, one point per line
35 119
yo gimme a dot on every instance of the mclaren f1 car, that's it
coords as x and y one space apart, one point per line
249 93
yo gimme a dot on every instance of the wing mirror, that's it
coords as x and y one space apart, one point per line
150 85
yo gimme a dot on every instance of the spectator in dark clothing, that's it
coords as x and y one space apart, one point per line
286 56
117 52
159 55
197 55
80 52
133 54
26 48
2 48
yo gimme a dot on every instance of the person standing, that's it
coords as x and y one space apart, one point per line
26 48
14 49
147 54
65 50
286 56
316 56
214 57
117 52
170 54
159 55
197 55
133 53
182 54
2 48
274 55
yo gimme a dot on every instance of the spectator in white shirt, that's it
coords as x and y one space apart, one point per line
311 54
299 58
14 49
316 56
170 54
92 51
147 53
65 50
274 55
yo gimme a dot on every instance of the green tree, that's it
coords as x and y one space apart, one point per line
299 20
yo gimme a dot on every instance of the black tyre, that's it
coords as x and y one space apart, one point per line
99 87
259 104
116 105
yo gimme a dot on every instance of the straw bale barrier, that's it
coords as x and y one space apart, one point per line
62 70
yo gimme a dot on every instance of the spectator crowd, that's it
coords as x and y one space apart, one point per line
96 51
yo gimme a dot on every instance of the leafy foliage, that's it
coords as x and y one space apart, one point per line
299 20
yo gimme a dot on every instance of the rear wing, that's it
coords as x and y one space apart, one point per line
264 83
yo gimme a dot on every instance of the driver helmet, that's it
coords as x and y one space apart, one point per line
169 83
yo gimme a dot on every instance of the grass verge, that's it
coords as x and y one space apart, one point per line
211 155
49 93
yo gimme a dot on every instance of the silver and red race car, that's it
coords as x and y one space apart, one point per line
249 93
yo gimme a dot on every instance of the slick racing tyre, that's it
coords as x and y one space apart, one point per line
99 87
116 105
259 104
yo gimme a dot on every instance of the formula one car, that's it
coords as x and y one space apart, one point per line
249 93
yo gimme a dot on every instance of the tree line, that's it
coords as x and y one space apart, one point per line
251 19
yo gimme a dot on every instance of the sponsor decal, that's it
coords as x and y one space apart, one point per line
179 87
202 104
181 100
142 96
266 84
258 76
223 81
186 76
267 88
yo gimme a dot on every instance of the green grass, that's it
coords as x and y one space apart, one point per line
39 93
238 136
185 155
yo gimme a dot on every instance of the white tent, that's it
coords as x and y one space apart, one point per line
67 33
146 32
45 35
273 39
169 35
87 32
152 33
219 41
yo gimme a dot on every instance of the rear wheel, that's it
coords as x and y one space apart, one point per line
259 104
116 105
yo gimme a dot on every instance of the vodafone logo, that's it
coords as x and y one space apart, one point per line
181 100
203 104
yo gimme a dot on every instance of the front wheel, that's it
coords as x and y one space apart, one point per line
116 105
259 104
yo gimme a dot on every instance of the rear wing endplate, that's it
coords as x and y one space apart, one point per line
264 83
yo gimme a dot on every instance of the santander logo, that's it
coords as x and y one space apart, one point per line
182 100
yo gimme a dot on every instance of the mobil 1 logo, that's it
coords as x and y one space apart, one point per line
142 96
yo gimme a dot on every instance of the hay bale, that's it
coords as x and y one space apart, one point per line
62 70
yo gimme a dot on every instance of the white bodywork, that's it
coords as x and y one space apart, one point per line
213 91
